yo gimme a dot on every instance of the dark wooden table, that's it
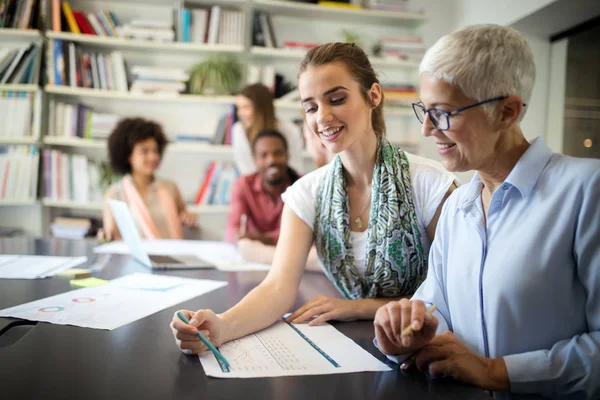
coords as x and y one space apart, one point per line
140 360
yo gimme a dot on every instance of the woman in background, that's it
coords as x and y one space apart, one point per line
256 112
135 149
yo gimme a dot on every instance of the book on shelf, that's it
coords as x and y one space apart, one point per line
18 173
349 5
72 66
408 48
400 94
19 116
408 6
263 34
100 23
19 65
215 187
74 227
71 177
79 121
22 14
223 133
162 80
267 76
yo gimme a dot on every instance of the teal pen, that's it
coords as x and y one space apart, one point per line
208 344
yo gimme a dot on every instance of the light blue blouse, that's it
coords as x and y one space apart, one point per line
525 284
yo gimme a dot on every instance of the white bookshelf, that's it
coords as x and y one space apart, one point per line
17 203
74 142
18 140
97 206
71 205
19 34
177 112
146 45
32 87
307 10
128 96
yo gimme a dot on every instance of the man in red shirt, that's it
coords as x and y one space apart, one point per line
256 204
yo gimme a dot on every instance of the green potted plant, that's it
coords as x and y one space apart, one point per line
219 75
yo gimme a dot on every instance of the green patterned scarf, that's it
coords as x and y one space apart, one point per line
396 262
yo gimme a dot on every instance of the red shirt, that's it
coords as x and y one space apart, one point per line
263 213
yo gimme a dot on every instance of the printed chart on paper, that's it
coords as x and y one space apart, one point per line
284 349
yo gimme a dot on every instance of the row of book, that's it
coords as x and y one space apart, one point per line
77 68
71 177
102 23
18 173
267 76
21 14
215 188
400 94
403 47
79 120
18 115
19 65
213 25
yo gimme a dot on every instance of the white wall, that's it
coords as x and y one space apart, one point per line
504 12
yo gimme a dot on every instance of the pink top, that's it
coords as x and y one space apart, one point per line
262 211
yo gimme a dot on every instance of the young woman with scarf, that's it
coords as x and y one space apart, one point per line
371 212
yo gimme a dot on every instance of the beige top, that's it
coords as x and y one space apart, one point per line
151 200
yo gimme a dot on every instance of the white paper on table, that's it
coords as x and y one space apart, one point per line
280 350
13 266
222 254
119 302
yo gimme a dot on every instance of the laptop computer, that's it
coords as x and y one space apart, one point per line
131 237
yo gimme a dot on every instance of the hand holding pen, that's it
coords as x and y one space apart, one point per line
197 332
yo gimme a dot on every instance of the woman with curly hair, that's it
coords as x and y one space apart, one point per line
135 149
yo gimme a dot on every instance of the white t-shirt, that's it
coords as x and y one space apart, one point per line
429 182
242 151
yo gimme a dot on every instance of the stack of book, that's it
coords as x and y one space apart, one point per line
102 23
78 120
21 14
409 6
215 188
214 25
408 48
400 94
19 65
71 177
18 173
145 29
71 228
77 68
158 80
18 115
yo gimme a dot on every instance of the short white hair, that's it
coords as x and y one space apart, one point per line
483 61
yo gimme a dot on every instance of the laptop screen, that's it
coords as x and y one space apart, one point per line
128 230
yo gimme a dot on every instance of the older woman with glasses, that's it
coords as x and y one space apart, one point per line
515 267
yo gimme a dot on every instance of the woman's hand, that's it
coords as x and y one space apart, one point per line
445 355
105 236
394 317
188 219
328 308
203 321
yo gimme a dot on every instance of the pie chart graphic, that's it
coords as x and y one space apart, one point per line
84 299
51 309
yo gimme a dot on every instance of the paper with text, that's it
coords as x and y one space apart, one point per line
222 254
115 304
14 266
287 349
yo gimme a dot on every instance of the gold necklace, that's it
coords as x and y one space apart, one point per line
358 221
